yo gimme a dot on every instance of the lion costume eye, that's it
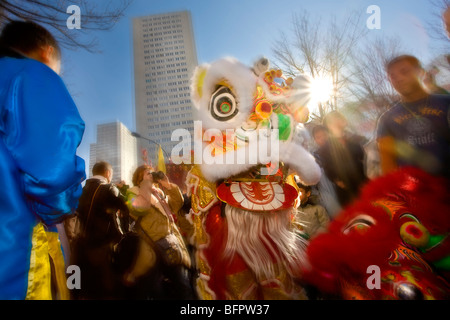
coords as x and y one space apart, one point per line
223 106
359 224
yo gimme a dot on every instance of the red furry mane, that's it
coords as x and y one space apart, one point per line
333 255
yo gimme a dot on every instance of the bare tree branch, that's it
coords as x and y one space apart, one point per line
435 26
370 82
53 14
320 50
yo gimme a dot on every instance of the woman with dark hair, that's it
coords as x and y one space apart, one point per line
40 131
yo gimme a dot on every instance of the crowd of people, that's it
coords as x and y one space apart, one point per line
154 205
142 253
134 243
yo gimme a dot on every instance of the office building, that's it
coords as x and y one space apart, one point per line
117 146
164 60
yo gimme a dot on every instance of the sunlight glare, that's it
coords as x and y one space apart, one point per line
321 90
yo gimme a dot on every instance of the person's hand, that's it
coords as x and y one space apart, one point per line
128 279
340 184
120 184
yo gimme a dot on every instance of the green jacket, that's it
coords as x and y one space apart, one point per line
156 224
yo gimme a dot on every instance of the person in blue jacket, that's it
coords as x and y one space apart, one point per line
40 173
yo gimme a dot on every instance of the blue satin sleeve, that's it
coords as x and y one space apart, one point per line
44 132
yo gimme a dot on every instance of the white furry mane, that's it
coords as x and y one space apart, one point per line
259 238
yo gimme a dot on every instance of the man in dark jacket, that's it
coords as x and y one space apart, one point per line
343 158
104 217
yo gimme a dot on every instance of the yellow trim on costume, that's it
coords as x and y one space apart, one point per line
390 206
290 179
46 245
202 290
39 279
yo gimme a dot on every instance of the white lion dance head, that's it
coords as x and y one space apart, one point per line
242 202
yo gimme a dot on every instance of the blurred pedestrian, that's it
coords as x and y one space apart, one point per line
180 216
163 266
430 83
343 158
311 218
325 188
414 131
320 136
104 219
142 172
40 131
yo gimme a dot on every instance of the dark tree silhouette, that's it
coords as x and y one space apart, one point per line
95 15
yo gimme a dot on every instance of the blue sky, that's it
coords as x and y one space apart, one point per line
102 83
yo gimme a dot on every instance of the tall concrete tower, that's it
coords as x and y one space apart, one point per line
164 60
115 145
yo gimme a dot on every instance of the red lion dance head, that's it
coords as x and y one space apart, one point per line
392 243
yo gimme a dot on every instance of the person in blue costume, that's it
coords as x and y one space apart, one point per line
41 175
